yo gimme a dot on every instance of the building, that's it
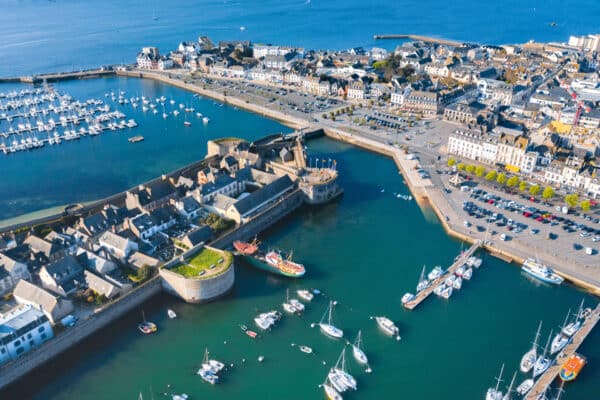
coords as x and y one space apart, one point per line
188 207
421 102
63 277
119 246
11 271
589 43
512 146
22 329
150 58
152 196
494 91
463 113
53 306
357 90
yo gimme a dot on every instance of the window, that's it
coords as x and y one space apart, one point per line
20 350
43 336
2 350
29 336
31 344
41 329
17 343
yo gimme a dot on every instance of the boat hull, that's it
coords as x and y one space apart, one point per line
264 266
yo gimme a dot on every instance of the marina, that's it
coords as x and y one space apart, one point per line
440 278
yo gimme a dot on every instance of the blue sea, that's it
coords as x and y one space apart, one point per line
56 35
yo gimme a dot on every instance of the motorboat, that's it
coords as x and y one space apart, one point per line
468 274
525 387
457 283
305 294
387 326
171 314
541 272
407 298
435 273
306 349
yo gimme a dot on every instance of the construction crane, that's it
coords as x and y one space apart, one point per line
581 106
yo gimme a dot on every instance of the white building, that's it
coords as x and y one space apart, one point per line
588 43
21 329
117 245
494 91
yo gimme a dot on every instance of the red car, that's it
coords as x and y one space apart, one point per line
527 214
491 201
539 219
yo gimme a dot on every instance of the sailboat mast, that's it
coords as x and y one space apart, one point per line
537 336
547 344
499 378
566 319
330 307
510 387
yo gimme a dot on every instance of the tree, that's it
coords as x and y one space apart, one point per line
470 169
461 166
451 162
480 171
534 190
512 181
501 178
523 186
585 205
548 193
491 176
572 200
324 116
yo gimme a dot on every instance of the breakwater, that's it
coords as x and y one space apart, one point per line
60 76
420 38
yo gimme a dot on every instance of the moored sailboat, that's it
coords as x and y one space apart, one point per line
528 359
357 350
327 327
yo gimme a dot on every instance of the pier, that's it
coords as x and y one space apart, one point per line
422 295
550 375
420 38
59 76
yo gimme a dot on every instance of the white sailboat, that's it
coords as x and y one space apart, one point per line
327 327
543 361
528 359
525 387
423 282
574 326
495 393
507 396
171 314
339 374
357 351
560 340
287 307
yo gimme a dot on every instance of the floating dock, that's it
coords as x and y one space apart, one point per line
422 295
551 374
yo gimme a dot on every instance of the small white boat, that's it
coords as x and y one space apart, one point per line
306 349
423 282
457 283
467 274
205 120
407 298
572 327
387 326
446 293
171 314
450 280
525 387
435 273
297 305
357 351
460 271
327 327
305 294
287 307
331 393
182 396
494 393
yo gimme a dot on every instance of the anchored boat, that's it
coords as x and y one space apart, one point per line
327 327
357 351
494 393
528 359
571 368
541 272
272 261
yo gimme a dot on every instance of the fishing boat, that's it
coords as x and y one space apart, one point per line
528 359
306 349
494 393
171 314
572 327
560 339
509 391
272 262
541 272
407 298
327 327
571 368
388 326
543 361
357 351
435 273
147 327
246 248
423 282
305 294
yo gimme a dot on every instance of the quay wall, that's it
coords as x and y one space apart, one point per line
287 120
59 76
16 369
420 38
196 290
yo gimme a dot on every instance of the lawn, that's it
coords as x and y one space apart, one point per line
203 261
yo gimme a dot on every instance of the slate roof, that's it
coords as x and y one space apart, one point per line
66 272
263 194
114 240
202 234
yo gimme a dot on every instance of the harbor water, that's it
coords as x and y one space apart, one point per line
46 36
364 251
96 167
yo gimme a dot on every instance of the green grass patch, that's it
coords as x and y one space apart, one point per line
203 261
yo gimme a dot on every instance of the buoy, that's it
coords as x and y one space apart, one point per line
225 342
316 291
243 360
335 302
398 338
312 325
261 358
368 370
231 365
324 363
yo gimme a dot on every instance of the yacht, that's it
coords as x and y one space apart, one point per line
297 305
388 326
560 339
305 294
494 393
449 281
435 273
541 272
208 376
205 120
468 274
528 359
357 351
287 306
327 327
339 370
331 393
525 387
508 396
460 271
213 366
543 361
457 283
446 293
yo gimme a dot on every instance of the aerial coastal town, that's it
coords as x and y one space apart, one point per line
499 141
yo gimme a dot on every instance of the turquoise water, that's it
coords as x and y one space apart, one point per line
97 167
41 36
364 250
